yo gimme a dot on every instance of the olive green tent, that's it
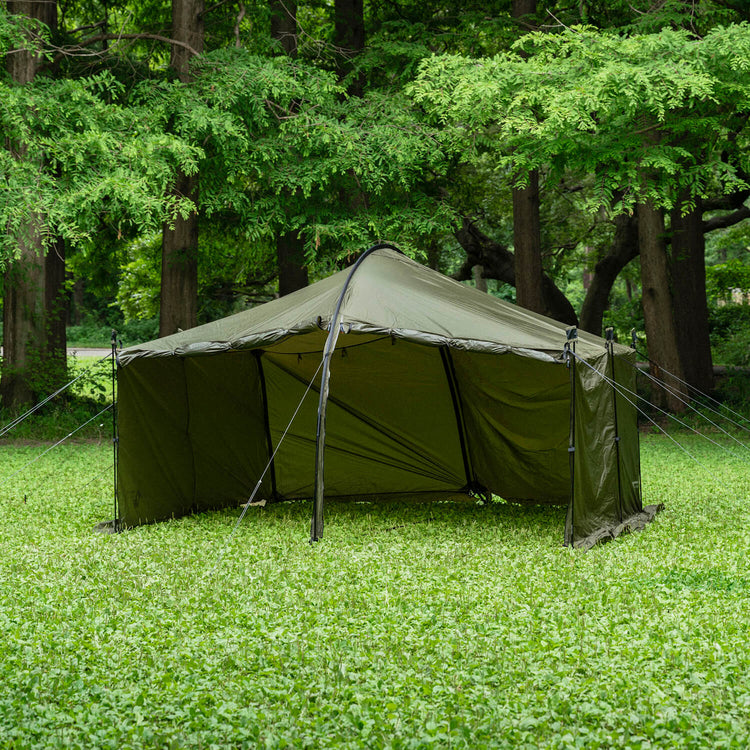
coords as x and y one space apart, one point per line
419 385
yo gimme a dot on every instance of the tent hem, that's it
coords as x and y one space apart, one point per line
636 522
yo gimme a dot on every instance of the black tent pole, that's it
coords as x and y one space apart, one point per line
316 526
115 438
570 362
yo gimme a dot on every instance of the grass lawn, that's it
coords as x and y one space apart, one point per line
408 626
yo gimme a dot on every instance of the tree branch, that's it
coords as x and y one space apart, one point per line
499 263
728 220
79 49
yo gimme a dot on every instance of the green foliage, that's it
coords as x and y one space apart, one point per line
648 115
412 625
721 278
78 157
92 334
730 334
78 410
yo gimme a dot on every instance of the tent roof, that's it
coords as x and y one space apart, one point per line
390 294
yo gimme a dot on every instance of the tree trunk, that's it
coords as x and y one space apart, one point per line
688 269
34 304
284 25
290 253
349 37
290 249
656 298
178 310
521 8
498 263
179 266
477 274
23 326
606 271
527 245
527 240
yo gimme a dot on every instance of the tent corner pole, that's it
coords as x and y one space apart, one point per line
570 362
115 436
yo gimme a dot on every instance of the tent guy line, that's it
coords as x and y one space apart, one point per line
624 391
54 445
674 392
22 417
250 500
698 391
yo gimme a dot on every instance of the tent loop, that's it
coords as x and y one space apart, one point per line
316 526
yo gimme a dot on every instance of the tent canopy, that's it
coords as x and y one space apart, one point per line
434 386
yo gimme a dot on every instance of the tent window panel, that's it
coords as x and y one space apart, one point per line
517 420
391 424
226 427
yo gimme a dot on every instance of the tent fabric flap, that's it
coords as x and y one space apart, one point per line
606 473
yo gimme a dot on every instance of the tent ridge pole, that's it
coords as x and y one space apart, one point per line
316 525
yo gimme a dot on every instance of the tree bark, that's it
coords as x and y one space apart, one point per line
290 249
349 37
527 245
284 25
527 240
34 304
656 298
290 254
624 249
178 310
23 326
179 268
688 270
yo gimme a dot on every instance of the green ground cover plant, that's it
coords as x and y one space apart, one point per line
411 625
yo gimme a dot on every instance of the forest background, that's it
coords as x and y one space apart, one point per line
165 165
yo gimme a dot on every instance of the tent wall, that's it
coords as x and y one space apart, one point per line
391 425
606 471
627 427
191 432
516 414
